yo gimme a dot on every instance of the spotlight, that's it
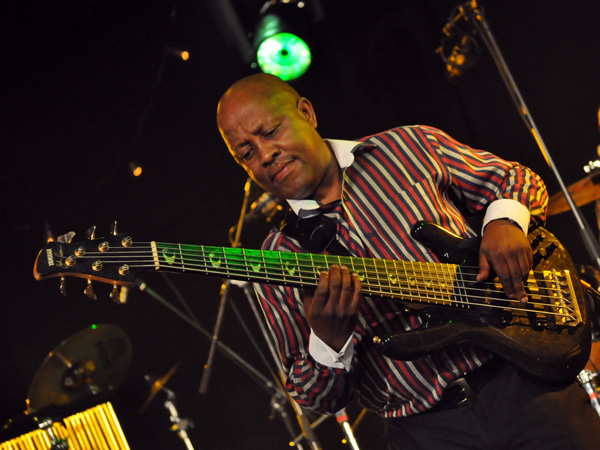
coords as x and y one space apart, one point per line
135 168
279 48
184 55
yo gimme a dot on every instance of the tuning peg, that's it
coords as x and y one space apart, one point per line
113 228
117 296
89 290
66 238
91 233
63 287
114 294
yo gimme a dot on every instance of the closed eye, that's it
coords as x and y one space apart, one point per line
270 132
248 154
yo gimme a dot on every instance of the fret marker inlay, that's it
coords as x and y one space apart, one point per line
169 257
216 262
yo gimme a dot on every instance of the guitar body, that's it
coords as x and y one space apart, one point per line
546 351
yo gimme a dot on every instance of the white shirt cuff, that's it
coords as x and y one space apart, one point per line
324 354
507 208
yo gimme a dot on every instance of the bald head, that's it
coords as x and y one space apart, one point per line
255 88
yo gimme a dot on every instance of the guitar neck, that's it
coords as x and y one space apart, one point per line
119 259
396 279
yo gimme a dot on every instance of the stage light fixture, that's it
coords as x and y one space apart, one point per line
184 55
135 168
279 48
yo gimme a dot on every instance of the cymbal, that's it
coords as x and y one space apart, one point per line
158 385
583 192
93 360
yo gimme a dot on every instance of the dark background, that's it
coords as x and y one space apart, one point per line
88 86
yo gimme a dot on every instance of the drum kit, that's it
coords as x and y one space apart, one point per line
65 397
68 402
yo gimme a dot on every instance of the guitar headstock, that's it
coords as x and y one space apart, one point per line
107 260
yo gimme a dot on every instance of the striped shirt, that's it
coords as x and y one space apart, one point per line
397 178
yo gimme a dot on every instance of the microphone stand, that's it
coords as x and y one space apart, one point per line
226 350
475 13
277 397
224 291
273 388
276 388
305 426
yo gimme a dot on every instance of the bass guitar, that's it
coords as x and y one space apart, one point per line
549 337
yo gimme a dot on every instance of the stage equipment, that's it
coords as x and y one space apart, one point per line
180 425
135 168
278 43
586 379
92 361
458 46
82 368
279 48
307 428
583 191
92 429
590 280
265 203
471 13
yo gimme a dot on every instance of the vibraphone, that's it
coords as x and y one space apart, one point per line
96 428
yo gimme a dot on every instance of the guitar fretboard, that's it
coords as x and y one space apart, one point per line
396 279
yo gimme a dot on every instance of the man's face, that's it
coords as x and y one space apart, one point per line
274 139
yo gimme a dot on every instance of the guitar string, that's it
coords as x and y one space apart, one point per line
412 294
273 256
415 294
394 289
236 264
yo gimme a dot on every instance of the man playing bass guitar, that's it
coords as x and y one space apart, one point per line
369 194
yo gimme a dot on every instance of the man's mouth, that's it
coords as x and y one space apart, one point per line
281 171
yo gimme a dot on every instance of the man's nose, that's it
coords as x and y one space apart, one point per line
269 153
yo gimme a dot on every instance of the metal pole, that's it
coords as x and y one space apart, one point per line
475 13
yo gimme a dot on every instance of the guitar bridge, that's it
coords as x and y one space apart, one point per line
557 295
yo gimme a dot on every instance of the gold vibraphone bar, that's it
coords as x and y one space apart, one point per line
96 428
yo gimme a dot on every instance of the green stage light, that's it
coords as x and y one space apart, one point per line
279 49
285 55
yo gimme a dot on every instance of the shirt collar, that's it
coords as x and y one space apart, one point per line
344 155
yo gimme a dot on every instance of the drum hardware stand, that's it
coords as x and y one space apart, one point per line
472 12
264 382
180 425
341 416
278 396
310 437
278 399
55 442
586 379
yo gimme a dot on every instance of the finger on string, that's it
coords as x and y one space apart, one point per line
357 294
484 269
506 278
319 299
335 286
347 289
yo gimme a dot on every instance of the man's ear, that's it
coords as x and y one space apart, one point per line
307 110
